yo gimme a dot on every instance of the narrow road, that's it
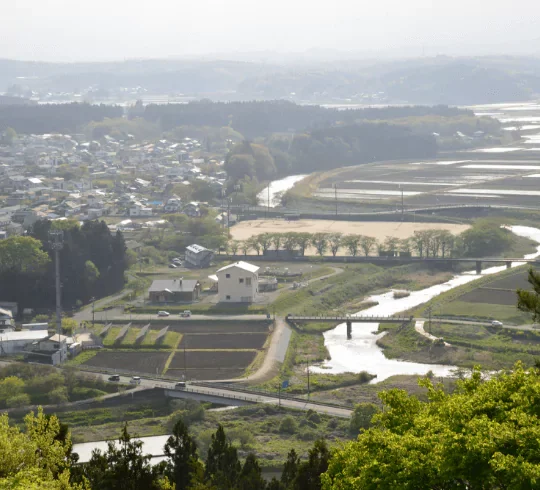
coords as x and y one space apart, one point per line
480 324
86 313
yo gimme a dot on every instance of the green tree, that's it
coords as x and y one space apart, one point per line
290 469
222 465
234 245
367 243
277 239
288 425
351 243
303 239
391 244
22 254
123 466
240 166
290 241
183 461
335 242
320 242
11 386
254 244
361 417
36 458
310 471
483 435
264 240
485 239
529 301
251 475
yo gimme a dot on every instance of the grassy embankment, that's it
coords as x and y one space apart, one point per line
255 428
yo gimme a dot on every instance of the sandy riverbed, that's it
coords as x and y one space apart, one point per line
378 229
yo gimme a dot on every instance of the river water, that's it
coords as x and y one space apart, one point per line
276 187
361 352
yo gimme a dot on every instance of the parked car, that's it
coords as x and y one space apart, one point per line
181 385
496 323
185 314
177 260
136 380
173 266
163 313
114 377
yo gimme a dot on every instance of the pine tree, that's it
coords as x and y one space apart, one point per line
183 461
222 465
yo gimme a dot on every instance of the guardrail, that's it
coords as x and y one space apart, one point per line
354 319
271 394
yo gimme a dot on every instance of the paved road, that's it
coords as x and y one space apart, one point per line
176 318
255 398
86 313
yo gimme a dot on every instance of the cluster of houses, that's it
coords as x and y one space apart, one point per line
66 176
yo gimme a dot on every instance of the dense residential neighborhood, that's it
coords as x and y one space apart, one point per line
55 176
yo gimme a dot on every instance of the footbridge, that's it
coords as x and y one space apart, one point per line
349 320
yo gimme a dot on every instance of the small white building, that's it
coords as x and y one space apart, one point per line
14 342
238 283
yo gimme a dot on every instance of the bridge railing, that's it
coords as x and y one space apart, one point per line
262 392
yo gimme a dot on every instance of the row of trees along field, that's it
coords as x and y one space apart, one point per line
484 435
93 262
480 240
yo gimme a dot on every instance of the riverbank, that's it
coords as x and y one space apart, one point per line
417 355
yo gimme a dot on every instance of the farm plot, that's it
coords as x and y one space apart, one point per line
137 361
225 327
205 374
493 296
512 282
223 341
213 359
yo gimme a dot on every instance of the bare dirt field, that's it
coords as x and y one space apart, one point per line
213 359
376 229
137 361
205 374
224 341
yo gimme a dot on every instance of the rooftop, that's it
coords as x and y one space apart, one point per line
241 265
173 285
196 248
29 335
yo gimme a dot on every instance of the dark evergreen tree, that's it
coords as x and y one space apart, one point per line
181 451
310 471
251 475
222 466
290 469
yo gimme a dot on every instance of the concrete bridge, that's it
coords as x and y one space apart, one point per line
349 320
379 260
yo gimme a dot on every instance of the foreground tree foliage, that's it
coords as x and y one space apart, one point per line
38 457
486 435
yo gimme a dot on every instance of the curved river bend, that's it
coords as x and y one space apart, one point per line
361 353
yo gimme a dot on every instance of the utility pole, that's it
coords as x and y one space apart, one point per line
402 204
307 362
228 218
268 203
335 196
56 242
185 365
93 300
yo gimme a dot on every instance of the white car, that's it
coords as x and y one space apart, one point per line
136 380
496 323
163 313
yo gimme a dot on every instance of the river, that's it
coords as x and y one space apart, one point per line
361 352
276 187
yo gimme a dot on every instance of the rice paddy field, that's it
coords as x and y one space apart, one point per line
496 176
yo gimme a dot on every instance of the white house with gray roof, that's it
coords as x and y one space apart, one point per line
238 283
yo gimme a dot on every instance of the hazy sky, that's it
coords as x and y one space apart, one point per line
75 30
